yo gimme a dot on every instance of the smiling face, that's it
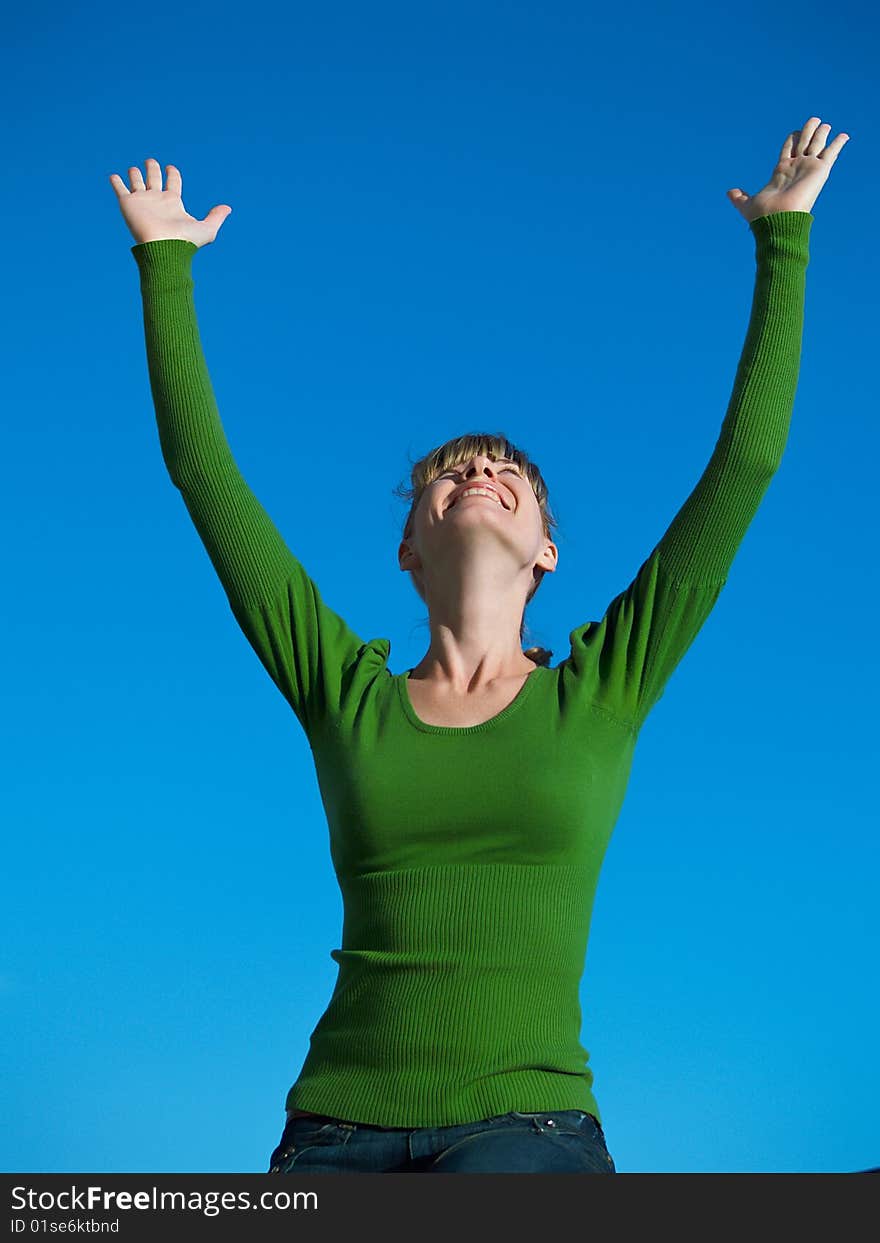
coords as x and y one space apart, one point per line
501 477
482 506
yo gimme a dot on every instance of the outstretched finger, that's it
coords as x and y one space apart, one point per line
806 135
830 154
817 143
119 185
173 179
788 146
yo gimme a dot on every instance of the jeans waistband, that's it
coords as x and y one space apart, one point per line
305 1113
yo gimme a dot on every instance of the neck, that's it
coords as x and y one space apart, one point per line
475 612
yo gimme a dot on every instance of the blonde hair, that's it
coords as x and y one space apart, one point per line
435 463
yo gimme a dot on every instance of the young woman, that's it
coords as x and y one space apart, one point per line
470 800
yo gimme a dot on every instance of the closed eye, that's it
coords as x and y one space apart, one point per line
509 469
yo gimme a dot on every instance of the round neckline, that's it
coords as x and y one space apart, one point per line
410 712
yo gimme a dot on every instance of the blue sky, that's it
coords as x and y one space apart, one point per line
446 217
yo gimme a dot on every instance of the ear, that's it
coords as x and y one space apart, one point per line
549 558
409 561
407 557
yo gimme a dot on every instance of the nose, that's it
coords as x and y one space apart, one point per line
478 464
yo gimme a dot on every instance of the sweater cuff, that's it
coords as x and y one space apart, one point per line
168 257
782 233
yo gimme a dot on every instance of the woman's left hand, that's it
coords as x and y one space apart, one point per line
802 170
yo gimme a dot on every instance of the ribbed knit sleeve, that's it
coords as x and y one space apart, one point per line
304 646
625 661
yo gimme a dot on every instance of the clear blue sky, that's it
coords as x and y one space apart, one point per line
446 217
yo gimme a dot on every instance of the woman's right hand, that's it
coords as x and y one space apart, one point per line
153 214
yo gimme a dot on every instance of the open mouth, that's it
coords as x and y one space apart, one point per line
482 496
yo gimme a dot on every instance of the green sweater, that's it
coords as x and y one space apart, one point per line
466 917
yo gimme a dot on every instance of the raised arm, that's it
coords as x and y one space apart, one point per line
303 645
625 661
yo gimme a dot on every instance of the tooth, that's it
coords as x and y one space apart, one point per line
482 492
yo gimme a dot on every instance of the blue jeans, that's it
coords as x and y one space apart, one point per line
562 1141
